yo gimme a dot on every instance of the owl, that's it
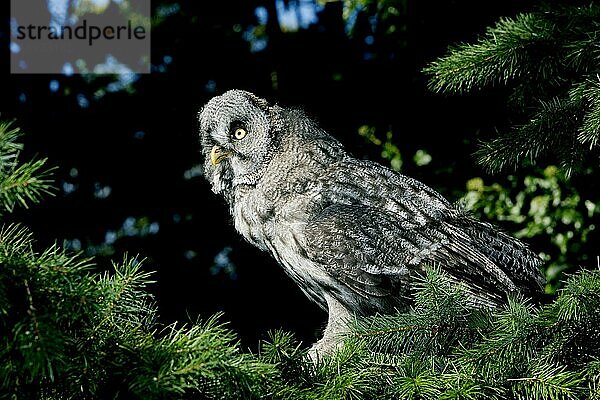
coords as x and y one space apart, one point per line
353 234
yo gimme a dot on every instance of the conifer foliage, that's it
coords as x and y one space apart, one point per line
550 60
20 183
69 332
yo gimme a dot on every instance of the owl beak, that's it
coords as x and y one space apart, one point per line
217 154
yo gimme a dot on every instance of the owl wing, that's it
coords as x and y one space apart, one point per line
376 229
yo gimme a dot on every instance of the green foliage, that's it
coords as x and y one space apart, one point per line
503 54
70 333
390 151
550 60
546 209
446 348
19 183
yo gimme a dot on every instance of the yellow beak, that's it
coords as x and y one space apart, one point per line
217 155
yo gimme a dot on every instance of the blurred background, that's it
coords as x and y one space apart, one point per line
126 146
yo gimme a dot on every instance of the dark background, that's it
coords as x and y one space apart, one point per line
126 181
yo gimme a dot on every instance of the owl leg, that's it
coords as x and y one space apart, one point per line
337 324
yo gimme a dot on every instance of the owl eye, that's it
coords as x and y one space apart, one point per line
240 133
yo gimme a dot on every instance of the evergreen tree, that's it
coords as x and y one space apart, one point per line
445 349
550 60
70 332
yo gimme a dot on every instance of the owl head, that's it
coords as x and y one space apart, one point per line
238 136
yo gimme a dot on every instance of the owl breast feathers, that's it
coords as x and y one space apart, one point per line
351 233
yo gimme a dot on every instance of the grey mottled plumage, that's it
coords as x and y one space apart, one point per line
353 234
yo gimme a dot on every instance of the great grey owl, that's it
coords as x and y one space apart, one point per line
351 233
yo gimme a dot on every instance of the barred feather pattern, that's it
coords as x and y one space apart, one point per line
351 233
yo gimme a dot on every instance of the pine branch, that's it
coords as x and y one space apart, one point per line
505 359
548 382
592 375
589 131
549 58
67 332
502 55
9 145
442 317
529 47
98 334
542 135
125 304
20 183
24 184
204 358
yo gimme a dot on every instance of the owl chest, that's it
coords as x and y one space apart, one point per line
262 218
253 218
276 225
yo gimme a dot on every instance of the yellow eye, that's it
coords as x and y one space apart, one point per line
240 133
